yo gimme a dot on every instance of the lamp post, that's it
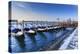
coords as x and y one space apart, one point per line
58 21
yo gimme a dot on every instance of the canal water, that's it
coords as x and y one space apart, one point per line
28 43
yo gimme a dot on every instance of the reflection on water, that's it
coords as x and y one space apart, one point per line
42 35
20 40
32 37
36 42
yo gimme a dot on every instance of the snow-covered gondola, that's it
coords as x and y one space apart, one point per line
16 32
41 29
49 29
30 32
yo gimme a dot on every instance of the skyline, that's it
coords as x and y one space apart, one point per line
30 11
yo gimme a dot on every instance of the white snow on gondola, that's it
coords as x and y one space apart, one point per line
17 34
39 29
55 27
50 28
30 31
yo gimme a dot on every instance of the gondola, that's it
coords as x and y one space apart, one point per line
29 31
16 32
41 29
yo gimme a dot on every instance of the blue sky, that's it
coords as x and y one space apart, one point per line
43 11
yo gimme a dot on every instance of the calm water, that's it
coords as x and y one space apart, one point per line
36 42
